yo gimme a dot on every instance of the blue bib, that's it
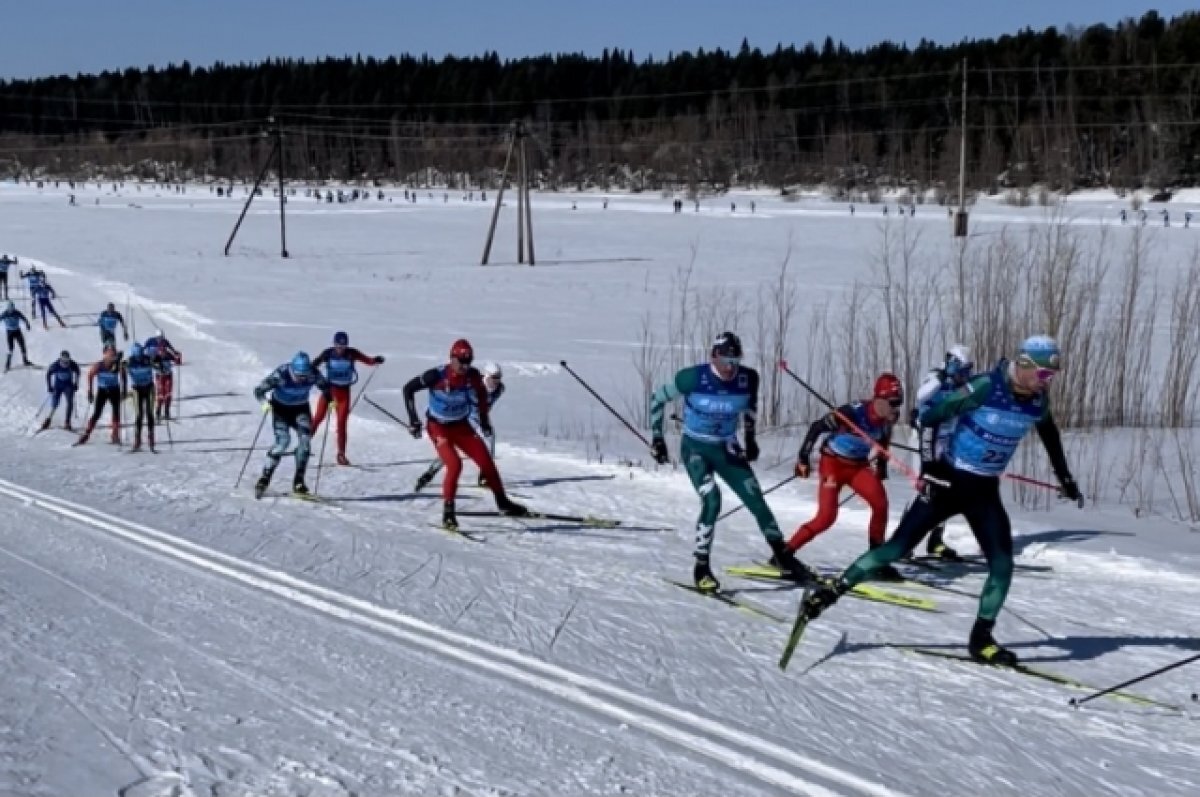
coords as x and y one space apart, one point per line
711 411
340 370
108 378
985 439
108 322
140 370
447 404
290 391
848 445
12 322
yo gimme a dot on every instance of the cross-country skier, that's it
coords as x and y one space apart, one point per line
108 383
165 357
108 321
339 361
493 381
62 381
5 262
43 292
33 277
994 411
290 385
12 318
140 369
846 462
716 394
939 383
452 388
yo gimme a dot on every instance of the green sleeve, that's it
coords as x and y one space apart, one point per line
969 397
683 384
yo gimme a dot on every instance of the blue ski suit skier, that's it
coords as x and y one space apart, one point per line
108 321
43 292
290 386
493 382
33 277
933 438
992 413
717 394
140 368
62 381
165 357
12 318
5 262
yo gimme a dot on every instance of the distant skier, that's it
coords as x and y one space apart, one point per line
955 372
452 389
107 383
140 369
165 357
12 318
5 262
716 394
493 382
108 321
846 461
43 293
290 385
994 412
339 361
62 382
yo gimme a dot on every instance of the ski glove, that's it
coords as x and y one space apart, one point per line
1069 488
881 469
803 468
751 449
486 428
260 396
414 428
658 450
379 360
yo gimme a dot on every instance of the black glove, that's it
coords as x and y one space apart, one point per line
1069 489
881 469
379 360
751 448
414 428
486 428
658 450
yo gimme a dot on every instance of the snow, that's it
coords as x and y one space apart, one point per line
165 636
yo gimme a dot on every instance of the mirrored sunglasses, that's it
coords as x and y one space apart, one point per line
729 361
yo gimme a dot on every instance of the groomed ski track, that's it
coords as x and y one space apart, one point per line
776 767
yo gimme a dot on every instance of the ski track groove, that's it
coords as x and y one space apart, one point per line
752 756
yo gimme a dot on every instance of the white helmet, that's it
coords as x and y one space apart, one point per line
158 333
959 353
492 370
958 362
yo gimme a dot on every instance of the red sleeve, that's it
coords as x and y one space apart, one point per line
321 358
359 357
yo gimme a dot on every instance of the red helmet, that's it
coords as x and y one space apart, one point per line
888 386
462 351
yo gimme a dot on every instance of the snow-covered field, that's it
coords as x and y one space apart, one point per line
163 635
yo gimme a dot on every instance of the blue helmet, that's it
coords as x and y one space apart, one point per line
341 339
135 350
1040 351
301 366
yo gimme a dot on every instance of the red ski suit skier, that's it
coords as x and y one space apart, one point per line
339 367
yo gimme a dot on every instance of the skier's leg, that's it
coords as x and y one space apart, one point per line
303 426
318 417
866 483
833 474
341 396
283 437
698 461
922 516
448 454
740 477
989 522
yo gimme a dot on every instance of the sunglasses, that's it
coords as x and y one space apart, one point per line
896 402
465 359
1045 374
729 361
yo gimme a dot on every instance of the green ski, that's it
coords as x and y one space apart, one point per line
797 632
732 600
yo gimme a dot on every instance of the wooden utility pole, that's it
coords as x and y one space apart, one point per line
516 142
276 155
960 219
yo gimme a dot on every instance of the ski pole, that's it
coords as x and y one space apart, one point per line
170 438
367 399
1132 681
45 401
366 385
324 438
914 477
1016 477
250 450
767 491
608 407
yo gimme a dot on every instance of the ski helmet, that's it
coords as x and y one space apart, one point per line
110 347
728 346
11 306
1040 351
111 307
958 361
135 350
492 371
887 386
462 351
341 339
158 333
300 366
65 355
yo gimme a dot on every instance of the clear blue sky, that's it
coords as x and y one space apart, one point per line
44 37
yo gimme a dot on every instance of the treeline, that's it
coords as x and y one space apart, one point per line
1065 108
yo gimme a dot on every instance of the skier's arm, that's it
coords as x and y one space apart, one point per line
359 357
124 373
750 418
321 359
414 386
74 376
21 316
481 402
881 462
323 386
826 424
683 384
121 318
1047 429
969 397
50 375
266 386
495 395
931 385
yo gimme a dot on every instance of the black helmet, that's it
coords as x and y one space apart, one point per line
727 344
65 355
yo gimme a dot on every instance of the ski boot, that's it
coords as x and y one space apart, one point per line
264 481
150 440
137 442
299 488
791 568
888 573
28 364
937 547
115 436
481 482
449 518
984 648
341 459
423 481
509 507
67 425
822 598
45 425
702 574
87 433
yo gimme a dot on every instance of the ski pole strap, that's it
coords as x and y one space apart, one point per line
606 405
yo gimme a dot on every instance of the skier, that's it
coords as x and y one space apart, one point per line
451 387
140 369
940 382
13 318
43 292
716 394
108 373
62 381
339 362
846 462
290 385
493 382
108 320
32 278
165 357
5 262
995 411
